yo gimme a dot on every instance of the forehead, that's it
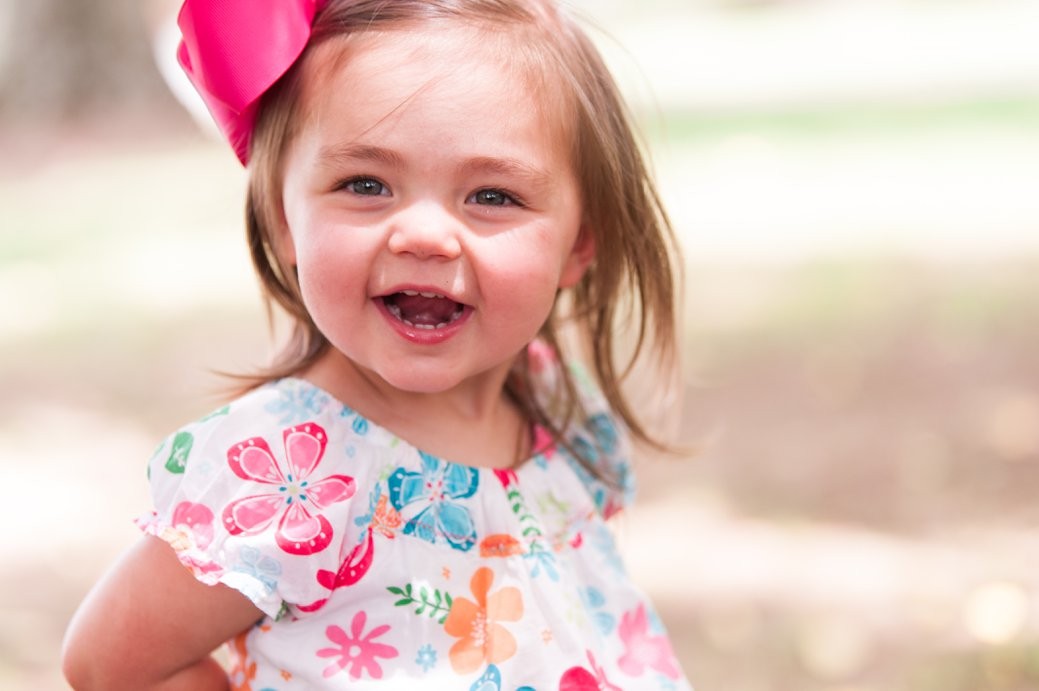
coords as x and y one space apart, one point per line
452 70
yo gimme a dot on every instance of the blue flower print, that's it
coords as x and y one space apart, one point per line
594 601
656 624
542 559
426 658
364 521
604 431
595 487
432 488
586 450
263 568
601 539
359 424
665 683
490 681
297 403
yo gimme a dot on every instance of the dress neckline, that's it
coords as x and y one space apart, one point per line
542 443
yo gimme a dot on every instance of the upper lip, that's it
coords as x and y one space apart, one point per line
425 291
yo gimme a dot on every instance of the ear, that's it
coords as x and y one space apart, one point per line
581 257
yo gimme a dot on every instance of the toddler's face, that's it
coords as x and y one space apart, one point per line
432 208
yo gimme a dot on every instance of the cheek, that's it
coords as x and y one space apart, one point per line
523 280
326 269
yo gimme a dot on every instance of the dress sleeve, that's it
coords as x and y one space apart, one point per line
248 504
604 440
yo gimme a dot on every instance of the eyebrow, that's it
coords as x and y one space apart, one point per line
504 166
508 167
331 155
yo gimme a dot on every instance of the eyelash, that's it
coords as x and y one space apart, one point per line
348 185
510 198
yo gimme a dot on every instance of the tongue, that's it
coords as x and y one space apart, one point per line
423 311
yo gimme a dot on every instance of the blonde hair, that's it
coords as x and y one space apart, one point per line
633 277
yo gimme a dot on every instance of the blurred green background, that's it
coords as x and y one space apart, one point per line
854 182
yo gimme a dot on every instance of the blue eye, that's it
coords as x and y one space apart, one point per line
492 197
368 187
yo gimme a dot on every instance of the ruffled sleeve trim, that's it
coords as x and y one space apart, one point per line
208 571
262 495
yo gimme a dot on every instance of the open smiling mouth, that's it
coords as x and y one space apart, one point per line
423 310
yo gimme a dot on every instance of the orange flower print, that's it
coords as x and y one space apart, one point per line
243 669
385 518
500 545
482 640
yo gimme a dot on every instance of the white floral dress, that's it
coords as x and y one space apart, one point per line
379 566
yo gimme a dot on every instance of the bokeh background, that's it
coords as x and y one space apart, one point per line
855 185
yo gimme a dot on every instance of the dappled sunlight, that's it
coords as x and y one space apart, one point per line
997 612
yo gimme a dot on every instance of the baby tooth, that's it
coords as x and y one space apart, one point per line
429 295
410 293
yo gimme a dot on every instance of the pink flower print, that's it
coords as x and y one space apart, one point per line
540 356
544 444
580 679
195 521
642 649
296 501
355 651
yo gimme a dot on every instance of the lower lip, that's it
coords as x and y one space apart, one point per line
424 336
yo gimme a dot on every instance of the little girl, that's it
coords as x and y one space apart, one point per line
414 495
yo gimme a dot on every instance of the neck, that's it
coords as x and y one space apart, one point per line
474 423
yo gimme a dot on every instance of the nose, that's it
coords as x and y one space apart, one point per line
426 230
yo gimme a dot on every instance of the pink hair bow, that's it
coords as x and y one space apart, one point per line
234 50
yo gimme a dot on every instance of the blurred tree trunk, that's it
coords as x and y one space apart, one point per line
64 60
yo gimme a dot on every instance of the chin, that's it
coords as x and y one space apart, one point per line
420 382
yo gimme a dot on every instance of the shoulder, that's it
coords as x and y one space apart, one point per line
260 494
262 411
595 443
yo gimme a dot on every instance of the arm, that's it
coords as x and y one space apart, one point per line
150 625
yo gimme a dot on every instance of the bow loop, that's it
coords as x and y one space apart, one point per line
234 50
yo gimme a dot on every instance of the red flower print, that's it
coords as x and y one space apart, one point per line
356 651
506 476
302 529
580 679
641 649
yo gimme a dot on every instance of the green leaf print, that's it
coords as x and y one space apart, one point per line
531 528
431 601
178 459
